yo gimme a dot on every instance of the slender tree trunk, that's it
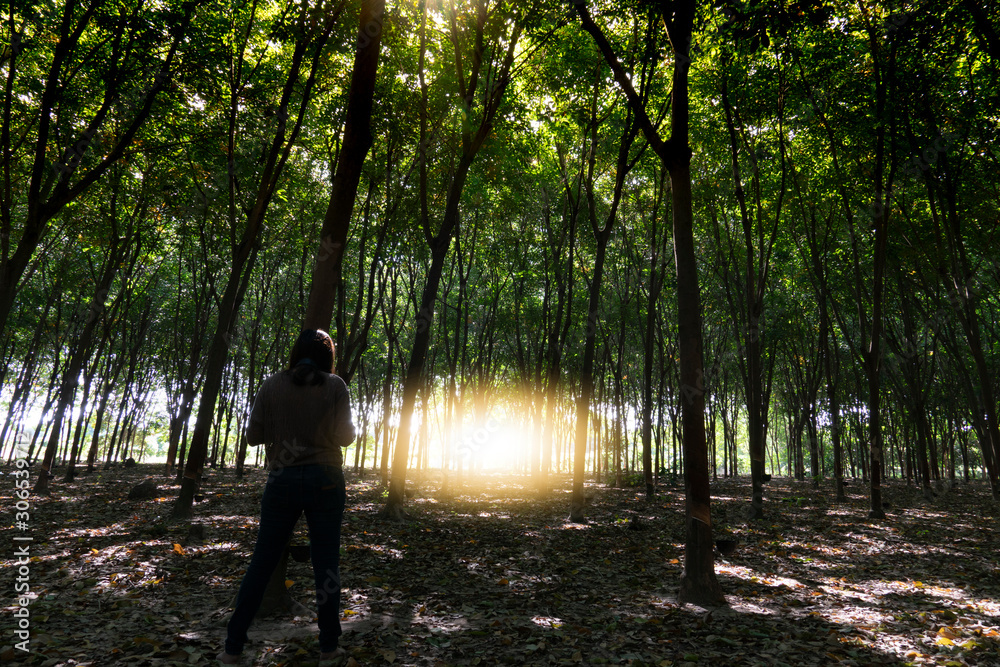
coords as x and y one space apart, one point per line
577 501
393 508
326 278
472 140
386 416
602 235
873 357
80 428
244 254
83 347
698 582
44 200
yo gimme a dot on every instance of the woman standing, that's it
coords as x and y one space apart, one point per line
302 416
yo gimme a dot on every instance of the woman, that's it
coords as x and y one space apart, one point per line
302 416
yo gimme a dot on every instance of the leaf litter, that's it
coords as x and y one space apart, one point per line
494 574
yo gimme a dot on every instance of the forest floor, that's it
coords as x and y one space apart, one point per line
496 575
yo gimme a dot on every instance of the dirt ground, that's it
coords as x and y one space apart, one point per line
490 573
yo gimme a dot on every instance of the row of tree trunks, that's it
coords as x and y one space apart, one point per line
602 235
120 249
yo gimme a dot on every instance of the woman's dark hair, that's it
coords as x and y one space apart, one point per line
313 351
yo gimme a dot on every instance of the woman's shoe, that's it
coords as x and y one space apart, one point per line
227 659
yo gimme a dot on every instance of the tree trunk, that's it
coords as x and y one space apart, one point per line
44 200
471 143
326 277
82 349
873 357
393 508
602 234
577 501
698 582
244 254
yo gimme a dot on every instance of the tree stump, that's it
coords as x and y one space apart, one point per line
144 490
276 596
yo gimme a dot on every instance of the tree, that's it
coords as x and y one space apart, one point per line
123 67
494 67
698 582
307 33
123 249
602 235
357 140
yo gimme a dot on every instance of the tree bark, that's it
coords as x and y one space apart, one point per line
326 277
698 582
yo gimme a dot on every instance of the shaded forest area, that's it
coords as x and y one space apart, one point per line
489 574
597 247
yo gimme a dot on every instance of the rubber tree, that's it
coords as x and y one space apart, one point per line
657 261
883 52
326 275
560 256
480 91
99 44
874 215
814 245
309 33
601 230
699 584
747 306
122 250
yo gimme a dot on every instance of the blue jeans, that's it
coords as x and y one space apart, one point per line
320 492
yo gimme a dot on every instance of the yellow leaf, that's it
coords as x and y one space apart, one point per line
178 549
288 583
350 612
948 633
944 641
503 582
674 561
